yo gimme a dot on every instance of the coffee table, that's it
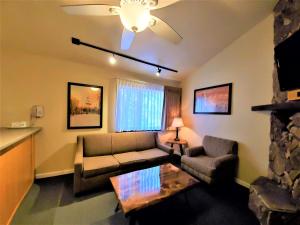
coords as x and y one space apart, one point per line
142 188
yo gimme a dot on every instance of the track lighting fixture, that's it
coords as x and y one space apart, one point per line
112 60
158 72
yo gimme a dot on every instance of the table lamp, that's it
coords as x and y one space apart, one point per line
177 122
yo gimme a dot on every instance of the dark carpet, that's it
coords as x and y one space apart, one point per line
50 201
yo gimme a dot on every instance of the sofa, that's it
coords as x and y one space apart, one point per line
100 156
215 161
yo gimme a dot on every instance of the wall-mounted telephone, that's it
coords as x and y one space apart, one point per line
37 111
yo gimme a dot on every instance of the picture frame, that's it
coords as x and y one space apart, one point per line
213 100
85 106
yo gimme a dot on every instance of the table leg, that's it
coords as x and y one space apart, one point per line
187 201
181 149
132 220
117 207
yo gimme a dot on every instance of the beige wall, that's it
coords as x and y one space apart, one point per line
29 80
0 93
248 63
1 89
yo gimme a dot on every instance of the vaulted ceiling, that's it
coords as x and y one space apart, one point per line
207 27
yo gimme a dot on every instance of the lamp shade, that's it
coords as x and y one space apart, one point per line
177 122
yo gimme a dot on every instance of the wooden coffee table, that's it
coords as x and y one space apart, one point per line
142 188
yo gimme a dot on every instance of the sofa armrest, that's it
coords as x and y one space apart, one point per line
194 151
78 161
224 160
165 148
78 165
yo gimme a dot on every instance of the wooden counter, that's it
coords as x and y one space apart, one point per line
16 169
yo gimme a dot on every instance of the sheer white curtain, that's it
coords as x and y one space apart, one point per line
139 106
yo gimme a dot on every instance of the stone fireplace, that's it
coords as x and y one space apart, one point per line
276 199
284 165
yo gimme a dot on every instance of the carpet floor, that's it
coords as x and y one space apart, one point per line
50 202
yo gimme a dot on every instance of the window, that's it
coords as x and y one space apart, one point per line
139 106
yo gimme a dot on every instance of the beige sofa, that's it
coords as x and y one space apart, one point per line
101 156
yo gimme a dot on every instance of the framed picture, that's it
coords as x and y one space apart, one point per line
85 104
213 100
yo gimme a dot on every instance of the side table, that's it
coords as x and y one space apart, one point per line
181 142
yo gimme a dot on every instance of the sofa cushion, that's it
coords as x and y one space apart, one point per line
215 147
123 142
154 154
129 158
203 164
97 144
97 165
145 140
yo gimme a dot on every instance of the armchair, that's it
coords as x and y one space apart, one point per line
213 162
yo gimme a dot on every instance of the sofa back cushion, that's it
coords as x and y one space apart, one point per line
145 140
97 145
214 146
123 142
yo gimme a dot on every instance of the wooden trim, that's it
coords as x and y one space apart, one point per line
54 173
242 183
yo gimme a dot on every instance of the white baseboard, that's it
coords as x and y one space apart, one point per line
53 174
243 183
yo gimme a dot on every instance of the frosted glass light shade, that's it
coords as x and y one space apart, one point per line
177 122
135 16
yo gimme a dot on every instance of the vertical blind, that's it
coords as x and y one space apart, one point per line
139 106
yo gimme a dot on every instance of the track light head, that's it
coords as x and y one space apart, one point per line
158 72
112 60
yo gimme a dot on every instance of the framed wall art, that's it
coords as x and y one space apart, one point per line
85 104
213 100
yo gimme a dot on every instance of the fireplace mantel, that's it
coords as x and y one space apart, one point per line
285 106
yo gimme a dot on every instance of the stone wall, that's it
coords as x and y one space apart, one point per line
284 166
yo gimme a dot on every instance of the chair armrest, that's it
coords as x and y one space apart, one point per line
78 161
165 148
194 151
224 159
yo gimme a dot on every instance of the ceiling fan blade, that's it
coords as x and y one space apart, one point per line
164 30
127 39
91 10
157 4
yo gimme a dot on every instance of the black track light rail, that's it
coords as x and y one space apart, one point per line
77 41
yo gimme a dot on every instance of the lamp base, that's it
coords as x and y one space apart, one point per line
176 139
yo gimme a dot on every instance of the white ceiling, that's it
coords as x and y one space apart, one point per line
207 27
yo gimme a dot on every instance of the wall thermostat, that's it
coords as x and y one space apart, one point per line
37 111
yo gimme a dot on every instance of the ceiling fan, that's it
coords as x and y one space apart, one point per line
135 16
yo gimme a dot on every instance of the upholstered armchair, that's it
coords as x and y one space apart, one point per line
213 162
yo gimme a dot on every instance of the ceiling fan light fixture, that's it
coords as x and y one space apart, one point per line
135 15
